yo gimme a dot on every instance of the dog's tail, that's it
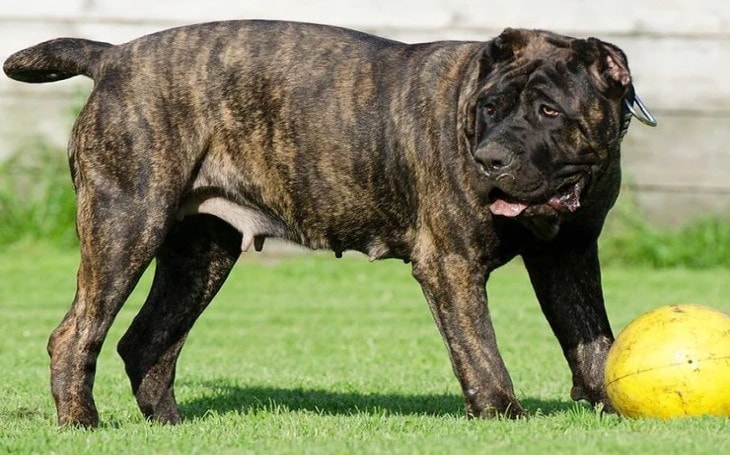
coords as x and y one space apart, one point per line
55 60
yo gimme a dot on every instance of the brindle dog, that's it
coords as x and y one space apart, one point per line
199 141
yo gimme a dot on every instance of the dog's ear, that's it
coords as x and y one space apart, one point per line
607 64
507 45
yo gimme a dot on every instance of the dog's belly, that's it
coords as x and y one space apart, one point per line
255 226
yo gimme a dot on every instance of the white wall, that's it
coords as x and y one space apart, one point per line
679 52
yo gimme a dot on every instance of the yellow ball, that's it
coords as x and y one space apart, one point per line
670 362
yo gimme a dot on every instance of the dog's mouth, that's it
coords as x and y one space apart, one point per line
566 199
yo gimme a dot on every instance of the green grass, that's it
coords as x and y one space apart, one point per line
310 354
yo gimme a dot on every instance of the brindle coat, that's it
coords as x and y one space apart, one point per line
199 141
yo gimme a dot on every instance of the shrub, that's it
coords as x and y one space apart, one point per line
630 240
37 201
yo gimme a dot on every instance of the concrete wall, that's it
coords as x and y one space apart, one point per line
679 53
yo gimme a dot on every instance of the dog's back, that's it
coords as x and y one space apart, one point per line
285 119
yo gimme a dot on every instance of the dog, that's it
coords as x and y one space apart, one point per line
200 141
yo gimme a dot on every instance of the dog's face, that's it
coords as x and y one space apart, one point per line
547 115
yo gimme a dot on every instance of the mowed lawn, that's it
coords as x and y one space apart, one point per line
312 354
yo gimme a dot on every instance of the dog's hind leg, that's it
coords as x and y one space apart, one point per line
192 264
119 236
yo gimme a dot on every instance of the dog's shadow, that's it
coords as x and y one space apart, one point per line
229 399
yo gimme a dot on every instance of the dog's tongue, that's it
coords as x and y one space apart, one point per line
504 208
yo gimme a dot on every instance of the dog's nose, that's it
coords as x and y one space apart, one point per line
493 158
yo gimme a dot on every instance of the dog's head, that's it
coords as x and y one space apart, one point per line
544 119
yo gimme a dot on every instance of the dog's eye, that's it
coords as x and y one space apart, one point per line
548 111
489 110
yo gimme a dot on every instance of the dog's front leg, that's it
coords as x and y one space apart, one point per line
455 290
567 280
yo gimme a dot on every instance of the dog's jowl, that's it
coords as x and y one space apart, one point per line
199 141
